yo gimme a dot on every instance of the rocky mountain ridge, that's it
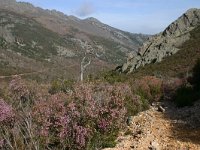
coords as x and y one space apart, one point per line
165 43
70 25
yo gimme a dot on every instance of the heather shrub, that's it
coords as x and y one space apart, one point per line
20 133
6 113
7 120
20 93
56 118
74 115
148 88
87 118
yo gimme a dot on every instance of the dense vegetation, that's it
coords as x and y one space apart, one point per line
70 115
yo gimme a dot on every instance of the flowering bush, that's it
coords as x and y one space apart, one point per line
6 113
18 87
87 117
1 143
73 120
148 87
21 94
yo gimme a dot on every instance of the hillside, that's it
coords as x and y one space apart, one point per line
47 41
166 43
164 125
33 40
179 64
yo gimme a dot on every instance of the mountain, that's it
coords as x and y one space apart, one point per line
33 40
164 44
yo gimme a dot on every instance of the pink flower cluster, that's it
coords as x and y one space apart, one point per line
2 142
59 118
6 113
72 119
149 87
18 88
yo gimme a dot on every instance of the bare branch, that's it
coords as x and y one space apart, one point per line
87 64
98 55
84 64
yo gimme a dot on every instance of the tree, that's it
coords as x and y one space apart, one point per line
84 63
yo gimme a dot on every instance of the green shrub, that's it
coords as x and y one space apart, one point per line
113 77
148 87
103 140
135 104
61 86
185 96
196 76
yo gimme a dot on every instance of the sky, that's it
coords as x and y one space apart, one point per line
136 16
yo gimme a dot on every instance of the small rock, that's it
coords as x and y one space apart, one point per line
129 120
154 146
132 146
161 109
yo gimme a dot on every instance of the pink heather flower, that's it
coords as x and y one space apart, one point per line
72 118
103 124
81 134
18 88
6 112
1 143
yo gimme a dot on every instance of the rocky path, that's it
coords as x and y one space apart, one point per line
163 129
21 74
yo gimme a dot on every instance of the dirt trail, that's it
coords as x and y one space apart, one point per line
21 74
173 129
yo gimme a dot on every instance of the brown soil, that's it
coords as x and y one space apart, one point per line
173 129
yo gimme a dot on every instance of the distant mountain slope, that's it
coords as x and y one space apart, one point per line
166 43
70 25
26 46
33 39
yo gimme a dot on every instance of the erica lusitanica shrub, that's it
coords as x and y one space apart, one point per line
196 76
6 113
72 121
89 116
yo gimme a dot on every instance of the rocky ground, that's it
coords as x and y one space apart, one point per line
163 127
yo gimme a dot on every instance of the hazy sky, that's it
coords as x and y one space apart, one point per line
137 16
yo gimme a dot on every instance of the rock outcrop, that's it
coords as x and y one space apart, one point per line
165 43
